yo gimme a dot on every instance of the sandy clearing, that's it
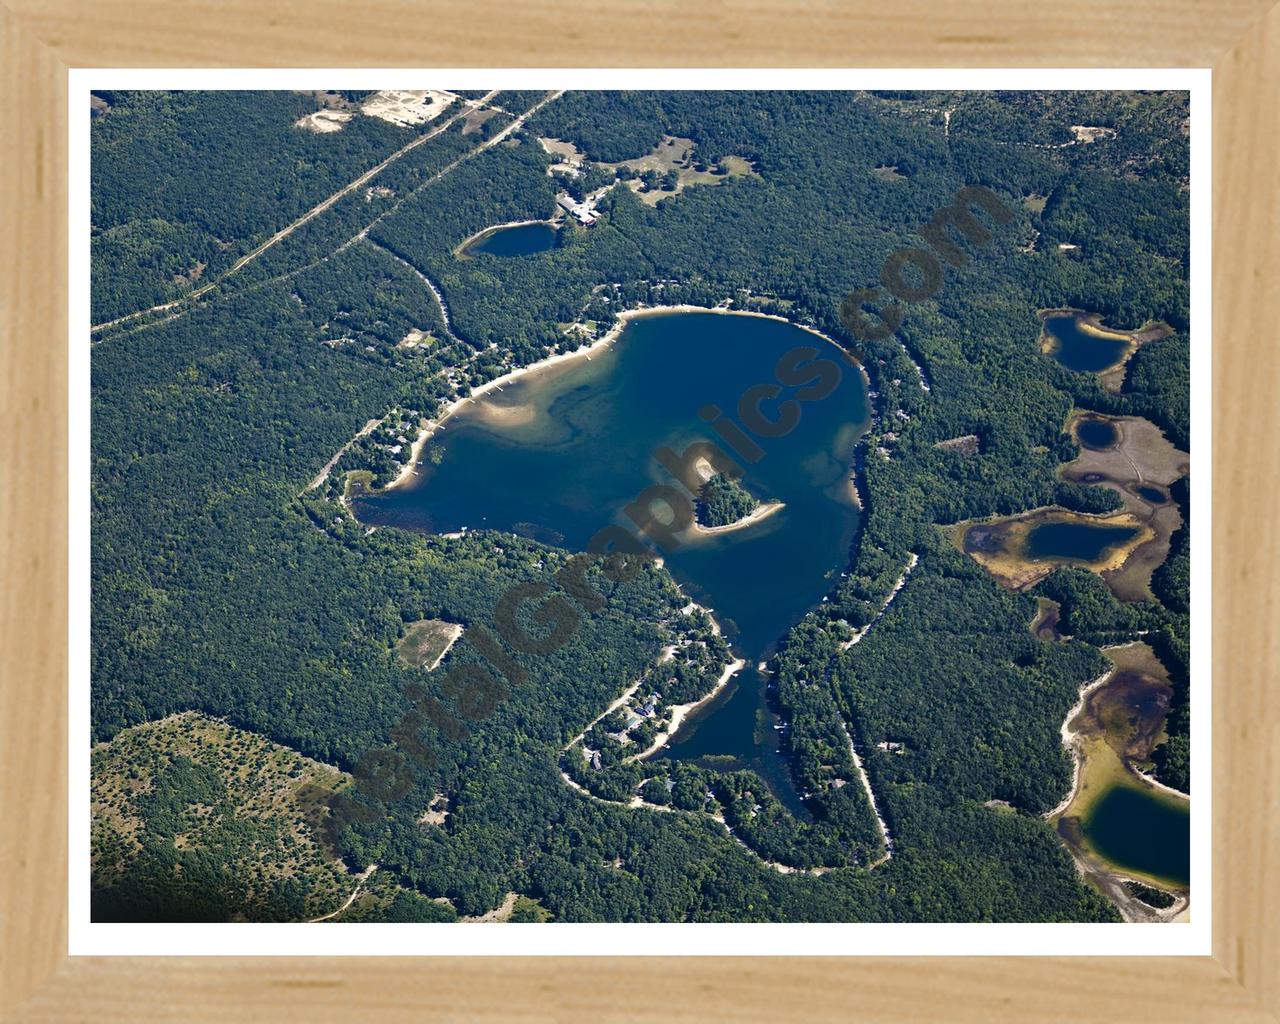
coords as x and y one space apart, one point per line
324 121
407 107
1087 133
497 915
455 632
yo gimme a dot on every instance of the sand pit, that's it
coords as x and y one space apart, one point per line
407 107
324 121
1087 133
413 339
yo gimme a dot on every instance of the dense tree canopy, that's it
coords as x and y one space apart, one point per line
222 584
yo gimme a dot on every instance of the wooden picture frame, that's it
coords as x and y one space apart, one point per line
41 39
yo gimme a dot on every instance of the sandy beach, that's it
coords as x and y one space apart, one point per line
724 311
761 512
459 251
497 383
584 352
1070 740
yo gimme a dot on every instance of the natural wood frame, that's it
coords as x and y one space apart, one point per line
40 39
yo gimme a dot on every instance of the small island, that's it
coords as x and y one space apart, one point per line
723 501
724 505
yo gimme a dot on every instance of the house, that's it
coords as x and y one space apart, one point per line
584 213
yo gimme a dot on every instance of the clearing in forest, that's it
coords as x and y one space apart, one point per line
426 642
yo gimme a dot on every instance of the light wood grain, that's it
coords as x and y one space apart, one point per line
33 511
39 38
1246 536
657 33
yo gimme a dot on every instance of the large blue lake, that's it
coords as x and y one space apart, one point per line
559 453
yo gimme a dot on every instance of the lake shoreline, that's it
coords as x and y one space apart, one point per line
757 515
1084 744
1073 741
731 686
584 352
460 250
682 711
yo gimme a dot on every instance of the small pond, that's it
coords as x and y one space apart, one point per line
517 240
1079 349
1097 434
1142 831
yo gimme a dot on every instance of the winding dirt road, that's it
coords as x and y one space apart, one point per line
360 880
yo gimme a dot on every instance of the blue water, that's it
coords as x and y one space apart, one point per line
1076 350
560 453
520 240
1143 832
1082 541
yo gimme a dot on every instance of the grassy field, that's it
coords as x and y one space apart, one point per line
678 155
195 819
426 641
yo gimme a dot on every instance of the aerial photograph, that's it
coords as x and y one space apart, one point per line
535 506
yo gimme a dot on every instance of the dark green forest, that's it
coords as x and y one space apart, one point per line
723 501
222 584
